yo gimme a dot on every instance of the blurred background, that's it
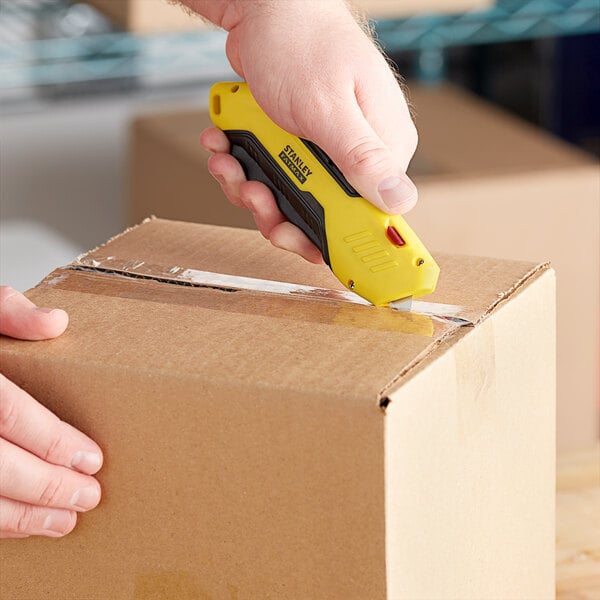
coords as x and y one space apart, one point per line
102 103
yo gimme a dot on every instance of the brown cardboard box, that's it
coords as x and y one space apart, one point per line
489 185
389 9
291 446
168 175
149 16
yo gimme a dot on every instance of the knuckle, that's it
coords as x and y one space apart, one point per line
52 492
366 157
23 519
57 446
8 408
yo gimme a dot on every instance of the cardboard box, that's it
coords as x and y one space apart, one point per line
168 175
294 445
149 16
493 185
389 9
489 185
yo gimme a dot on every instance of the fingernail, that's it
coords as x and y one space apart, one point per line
89 462
397 192
86 497
219 178
57 523
46 311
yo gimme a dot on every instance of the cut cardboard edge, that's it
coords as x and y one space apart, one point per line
453 334
108 241
503 296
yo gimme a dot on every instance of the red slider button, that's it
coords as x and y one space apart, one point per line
394 236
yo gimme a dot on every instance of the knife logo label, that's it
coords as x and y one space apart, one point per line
295 164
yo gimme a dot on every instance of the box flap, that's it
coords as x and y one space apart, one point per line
127 310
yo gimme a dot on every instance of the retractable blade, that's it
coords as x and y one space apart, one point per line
440 312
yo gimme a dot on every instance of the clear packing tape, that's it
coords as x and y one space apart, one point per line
346 308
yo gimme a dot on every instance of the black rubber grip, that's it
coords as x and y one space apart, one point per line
300 208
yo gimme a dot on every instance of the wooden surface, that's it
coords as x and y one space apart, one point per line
578 526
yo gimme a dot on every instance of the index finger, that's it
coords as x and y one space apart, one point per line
28 424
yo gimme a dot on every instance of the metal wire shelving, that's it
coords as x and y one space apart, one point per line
34 60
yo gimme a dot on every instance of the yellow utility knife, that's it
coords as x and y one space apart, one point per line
374 254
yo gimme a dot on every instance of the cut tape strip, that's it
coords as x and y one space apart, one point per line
447 312
443 312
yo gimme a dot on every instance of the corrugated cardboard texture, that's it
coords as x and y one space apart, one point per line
489 185
243 436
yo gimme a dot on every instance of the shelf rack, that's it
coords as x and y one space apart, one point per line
507 20
30 66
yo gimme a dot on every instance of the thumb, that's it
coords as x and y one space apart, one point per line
366 161
22 319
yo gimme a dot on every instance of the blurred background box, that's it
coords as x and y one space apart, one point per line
490 184
168 173
381 9
148 16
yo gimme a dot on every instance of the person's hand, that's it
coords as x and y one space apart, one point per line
318 75
45 464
